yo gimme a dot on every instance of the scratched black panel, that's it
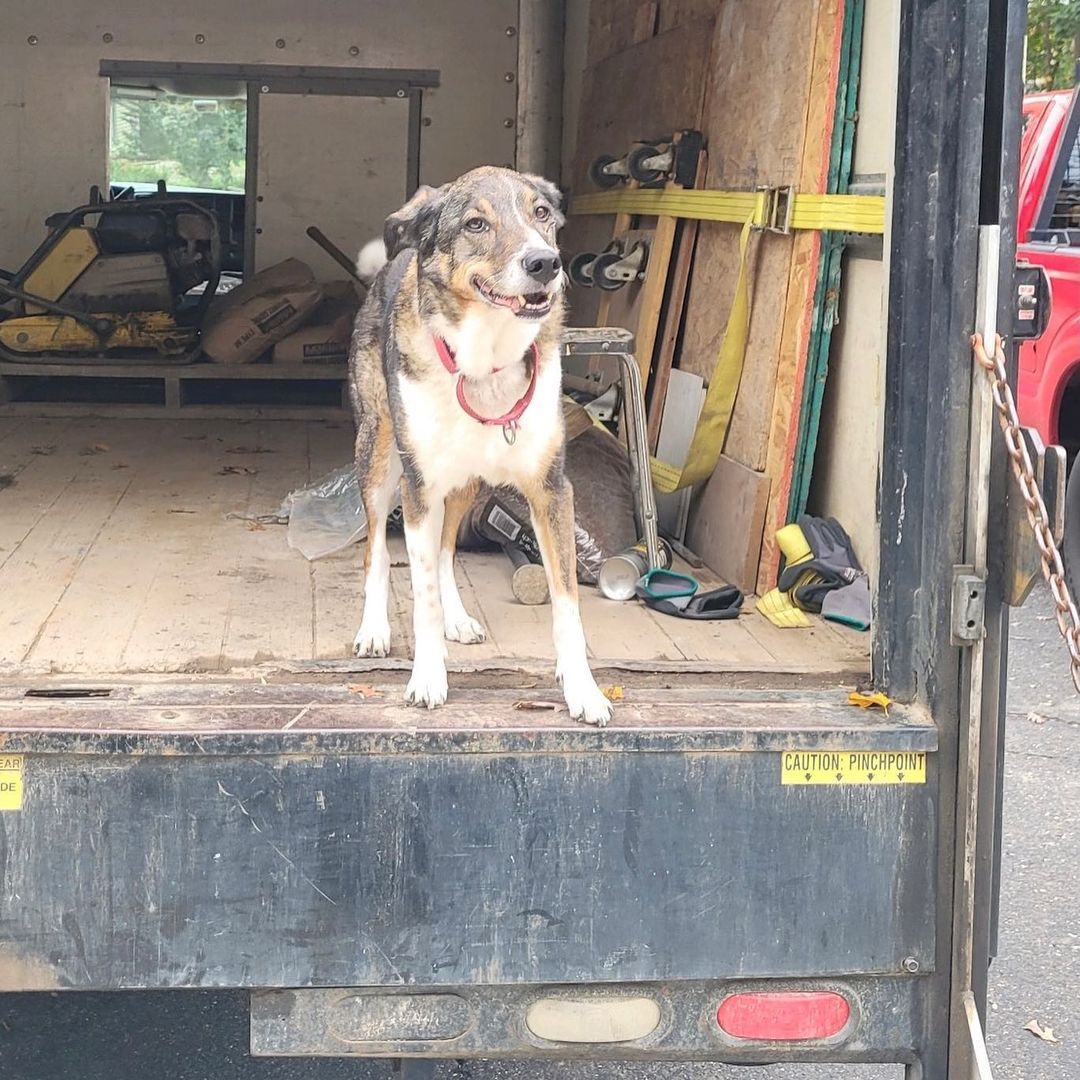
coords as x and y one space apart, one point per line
443 869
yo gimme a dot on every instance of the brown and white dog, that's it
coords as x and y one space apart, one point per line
456 379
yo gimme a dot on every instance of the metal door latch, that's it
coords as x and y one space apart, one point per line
968 606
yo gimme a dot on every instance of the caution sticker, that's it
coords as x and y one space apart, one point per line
853 767
11 781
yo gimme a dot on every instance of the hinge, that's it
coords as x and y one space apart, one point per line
968 606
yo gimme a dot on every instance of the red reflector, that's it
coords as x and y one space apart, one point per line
794 1015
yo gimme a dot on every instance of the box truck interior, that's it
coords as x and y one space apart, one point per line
138 490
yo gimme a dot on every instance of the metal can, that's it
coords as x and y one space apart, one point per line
620 573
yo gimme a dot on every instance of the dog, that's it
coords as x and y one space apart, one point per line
456 380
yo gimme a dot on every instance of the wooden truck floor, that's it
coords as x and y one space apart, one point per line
118 555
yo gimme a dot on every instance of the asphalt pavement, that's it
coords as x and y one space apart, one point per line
193 1035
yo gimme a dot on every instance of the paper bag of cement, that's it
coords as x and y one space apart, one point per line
598 467
244 323
324 337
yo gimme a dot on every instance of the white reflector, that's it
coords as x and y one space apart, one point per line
593 1020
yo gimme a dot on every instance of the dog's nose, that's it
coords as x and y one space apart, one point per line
542 264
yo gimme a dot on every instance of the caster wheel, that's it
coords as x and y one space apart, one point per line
579 269
636 168
600 278
601 178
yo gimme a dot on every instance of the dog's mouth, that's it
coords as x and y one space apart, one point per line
526 306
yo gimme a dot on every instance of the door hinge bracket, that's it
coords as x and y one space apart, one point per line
968 606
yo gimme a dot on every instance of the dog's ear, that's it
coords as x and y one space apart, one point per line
414 225
547 191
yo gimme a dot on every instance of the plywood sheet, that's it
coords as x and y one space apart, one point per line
615 25
667 75
729 514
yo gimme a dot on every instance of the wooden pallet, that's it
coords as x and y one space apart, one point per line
173 383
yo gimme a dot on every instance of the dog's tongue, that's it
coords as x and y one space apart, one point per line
515 304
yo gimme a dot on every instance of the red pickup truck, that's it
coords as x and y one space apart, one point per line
1048 397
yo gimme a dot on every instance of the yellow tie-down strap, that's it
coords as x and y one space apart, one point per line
838 213
753 210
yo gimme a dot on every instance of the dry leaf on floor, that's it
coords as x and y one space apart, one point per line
1040 1032
612 693
120 465
43 451
537 706
868 700
238 470
364 690
254 526
1036 718
97 448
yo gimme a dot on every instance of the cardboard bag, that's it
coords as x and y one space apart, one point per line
244 323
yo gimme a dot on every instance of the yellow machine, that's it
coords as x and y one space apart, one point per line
125 278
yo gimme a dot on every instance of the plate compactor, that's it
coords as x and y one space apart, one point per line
112 282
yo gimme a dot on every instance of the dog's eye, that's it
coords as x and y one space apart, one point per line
542 212
476 225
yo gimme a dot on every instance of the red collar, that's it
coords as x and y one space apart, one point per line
509 420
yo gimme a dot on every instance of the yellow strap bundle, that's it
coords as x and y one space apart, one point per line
715 415
842 213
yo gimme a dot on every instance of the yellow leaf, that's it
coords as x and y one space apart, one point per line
1040 1032
866 700
364 690
612 693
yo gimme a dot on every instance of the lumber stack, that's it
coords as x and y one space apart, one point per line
759 78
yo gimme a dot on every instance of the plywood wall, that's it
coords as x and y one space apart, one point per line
767 112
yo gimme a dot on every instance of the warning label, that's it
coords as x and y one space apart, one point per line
11 781
853 767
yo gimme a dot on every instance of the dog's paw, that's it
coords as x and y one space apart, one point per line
583 697
427 686
372 640
464 628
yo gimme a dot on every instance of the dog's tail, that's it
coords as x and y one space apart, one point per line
370 260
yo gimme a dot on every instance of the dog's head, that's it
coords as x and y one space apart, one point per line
488 237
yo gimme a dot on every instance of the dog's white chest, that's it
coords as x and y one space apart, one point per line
451 448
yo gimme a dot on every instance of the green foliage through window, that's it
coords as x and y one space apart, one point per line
185 141
1053 43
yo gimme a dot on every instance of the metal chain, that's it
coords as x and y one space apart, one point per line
1068 619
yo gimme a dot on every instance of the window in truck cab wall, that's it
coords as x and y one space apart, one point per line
1066 213
192 136
189 141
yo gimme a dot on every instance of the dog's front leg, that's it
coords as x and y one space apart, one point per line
552 506
423 534
458 624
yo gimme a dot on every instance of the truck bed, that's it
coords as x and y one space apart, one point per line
126 548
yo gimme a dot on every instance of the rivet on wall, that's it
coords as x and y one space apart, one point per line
508 77
107 38
280 43
511 31
32 39
354 50
508 122
200 39
426 121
